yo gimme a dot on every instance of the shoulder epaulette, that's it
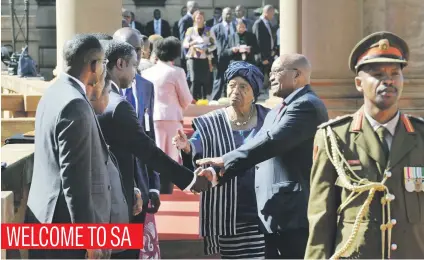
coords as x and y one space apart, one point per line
336 120
415 118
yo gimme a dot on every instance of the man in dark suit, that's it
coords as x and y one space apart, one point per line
70 181
240 14
175 29
223 32
217 17
262 28
282 153
127 138
183 24
132 23
158 25
141 95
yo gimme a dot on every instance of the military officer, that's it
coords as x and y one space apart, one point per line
367 198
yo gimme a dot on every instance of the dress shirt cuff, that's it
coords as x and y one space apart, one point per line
154 190
214 176
191 183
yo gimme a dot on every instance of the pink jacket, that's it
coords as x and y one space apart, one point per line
172 94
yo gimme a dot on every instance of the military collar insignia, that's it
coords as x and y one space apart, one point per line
358 118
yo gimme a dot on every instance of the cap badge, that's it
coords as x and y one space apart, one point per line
383 44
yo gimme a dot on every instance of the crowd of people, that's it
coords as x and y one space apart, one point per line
209 46
273 183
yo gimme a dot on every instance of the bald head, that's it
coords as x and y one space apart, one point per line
240 11
226 15
131 36
288 73
192 6
268 12
292 61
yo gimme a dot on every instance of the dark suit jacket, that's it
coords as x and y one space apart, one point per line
145 95
222 42
210 22
165 28
127 140
70 182
183 24
139 27
250 40
264 40
282 153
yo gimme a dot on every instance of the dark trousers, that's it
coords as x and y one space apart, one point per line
219 82
286 245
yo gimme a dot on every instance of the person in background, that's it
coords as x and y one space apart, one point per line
222 33
183 24
172 95
124 23
141 95
70 179
266 40
151 248
217 17
240 14
237 234
152 39
200 42
132 23
242 45
175 29
158 25
145 47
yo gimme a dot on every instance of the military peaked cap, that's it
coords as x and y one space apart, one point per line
379 47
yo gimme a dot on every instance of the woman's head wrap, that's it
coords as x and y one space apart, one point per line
249 72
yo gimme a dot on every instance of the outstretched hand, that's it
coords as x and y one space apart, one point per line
180 141
216 162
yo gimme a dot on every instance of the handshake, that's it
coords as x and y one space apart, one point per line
206 177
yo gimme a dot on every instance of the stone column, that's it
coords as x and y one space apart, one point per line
82 16
290 26
46 29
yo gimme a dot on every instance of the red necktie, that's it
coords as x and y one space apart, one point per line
279 110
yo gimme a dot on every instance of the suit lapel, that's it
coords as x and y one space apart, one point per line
403 141
78 87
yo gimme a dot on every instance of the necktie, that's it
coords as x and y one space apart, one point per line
228 31
279 110
382 132
130 97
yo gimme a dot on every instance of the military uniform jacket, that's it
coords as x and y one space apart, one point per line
330 228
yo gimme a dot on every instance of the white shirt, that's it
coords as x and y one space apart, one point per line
78 81
226 25
157 26
132 25
390 126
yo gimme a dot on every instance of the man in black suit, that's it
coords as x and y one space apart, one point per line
141 95
183 24
125 135
240 14
282 152
217 17
70 182
158 25
262 28
223 32
175 29
132 23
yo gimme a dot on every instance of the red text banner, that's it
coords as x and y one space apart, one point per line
71 236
